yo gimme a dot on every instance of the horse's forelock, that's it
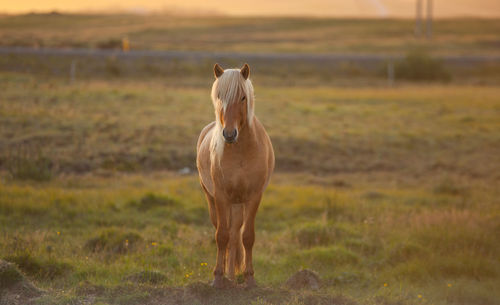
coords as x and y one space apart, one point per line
229 86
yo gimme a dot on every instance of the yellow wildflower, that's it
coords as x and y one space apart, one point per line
154 244
449 285
385 285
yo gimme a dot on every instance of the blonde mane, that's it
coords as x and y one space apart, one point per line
225 90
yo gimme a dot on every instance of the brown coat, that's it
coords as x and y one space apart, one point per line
235 160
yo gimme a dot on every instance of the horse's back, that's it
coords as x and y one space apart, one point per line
204 133
203 157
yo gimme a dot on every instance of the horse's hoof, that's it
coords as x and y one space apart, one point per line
220 282
250 282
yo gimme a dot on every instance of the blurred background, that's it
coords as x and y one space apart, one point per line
384 116
330 8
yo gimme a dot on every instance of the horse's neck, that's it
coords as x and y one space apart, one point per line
248 132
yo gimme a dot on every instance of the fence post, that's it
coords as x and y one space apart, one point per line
418 19
125 44
429 19
72 71
390 72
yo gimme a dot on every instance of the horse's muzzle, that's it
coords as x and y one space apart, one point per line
230 136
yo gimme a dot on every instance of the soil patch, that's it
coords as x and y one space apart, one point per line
304 279
15 289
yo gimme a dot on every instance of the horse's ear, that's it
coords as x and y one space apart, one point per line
245 71
218 70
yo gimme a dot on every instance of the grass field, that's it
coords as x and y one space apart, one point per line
390 194
251 35
129 125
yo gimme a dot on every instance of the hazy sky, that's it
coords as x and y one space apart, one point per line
366 8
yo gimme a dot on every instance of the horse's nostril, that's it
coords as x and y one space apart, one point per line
229 135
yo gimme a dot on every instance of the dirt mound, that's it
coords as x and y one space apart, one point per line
304 279
14 287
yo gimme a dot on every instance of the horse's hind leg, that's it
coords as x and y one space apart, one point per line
248 236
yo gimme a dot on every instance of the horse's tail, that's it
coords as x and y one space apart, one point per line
234 254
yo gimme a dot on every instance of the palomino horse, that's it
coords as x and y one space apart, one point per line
235 160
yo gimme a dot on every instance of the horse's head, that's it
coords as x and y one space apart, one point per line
232 96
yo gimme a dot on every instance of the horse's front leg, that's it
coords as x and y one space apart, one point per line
248 236
222 239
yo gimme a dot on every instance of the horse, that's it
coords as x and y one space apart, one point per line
235 160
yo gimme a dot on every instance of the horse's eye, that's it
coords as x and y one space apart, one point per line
243 98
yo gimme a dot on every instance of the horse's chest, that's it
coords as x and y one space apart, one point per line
242 179
237 190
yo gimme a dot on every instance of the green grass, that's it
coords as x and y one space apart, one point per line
415 249
387 193
249 34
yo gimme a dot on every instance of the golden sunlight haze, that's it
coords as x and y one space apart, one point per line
337 8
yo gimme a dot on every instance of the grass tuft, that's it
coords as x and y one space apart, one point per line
419 66
319 257
42 269
28 163
404 252
150 201
148 277
314 234
449 188
112 241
